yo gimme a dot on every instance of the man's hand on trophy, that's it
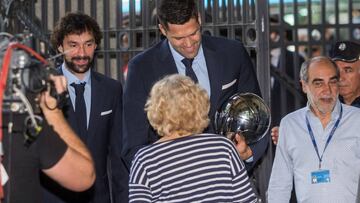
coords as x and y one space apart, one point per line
243 149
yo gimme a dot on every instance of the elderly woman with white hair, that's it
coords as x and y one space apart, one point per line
185 165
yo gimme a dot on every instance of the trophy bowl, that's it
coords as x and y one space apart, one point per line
244 113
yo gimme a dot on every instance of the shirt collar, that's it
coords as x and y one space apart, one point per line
178 57
355 103
71 78
275 52
334 114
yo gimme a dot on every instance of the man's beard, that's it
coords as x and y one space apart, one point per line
79 69
322 109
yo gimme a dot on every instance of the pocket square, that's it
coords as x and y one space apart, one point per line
105 113
228 85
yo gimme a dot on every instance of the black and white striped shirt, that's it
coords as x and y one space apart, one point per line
196 168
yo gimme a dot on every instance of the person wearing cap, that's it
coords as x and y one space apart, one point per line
346 55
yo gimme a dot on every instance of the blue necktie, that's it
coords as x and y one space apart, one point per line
189 71
80 109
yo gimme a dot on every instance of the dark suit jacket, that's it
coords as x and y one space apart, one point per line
230 71
104 141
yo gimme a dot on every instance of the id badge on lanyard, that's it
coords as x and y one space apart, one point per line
321 175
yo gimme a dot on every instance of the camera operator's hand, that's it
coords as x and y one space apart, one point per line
47 102
244 150
59 82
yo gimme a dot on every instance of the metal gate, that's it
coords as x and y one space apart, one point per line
130 26
306 28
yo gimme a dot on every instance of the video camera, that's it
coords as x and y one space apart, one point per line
24 74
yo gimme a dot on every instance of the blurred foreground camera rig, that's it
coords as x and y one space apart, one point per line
24 74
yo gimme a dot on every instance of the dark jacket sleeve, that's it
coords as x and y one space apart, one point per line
248 83
119 171
137 130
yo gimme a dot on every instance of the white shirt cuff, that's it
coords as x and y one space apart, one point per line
250 159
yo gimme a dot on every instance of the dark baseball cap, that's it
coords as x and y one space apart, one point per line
346 51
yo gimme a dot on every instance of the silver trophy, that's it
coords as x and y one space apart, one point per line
244 113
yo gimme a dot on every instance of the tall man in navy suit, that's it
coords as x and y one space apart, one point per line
221 66
95 112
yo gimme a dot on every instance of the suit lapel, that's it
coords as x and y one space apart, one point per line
214 67
167 63
69 111
97 96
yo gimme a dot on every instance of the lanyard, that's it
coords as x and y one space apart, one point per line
329 138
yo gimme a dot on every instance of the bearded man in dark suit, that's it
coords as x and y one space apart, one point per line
94 111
